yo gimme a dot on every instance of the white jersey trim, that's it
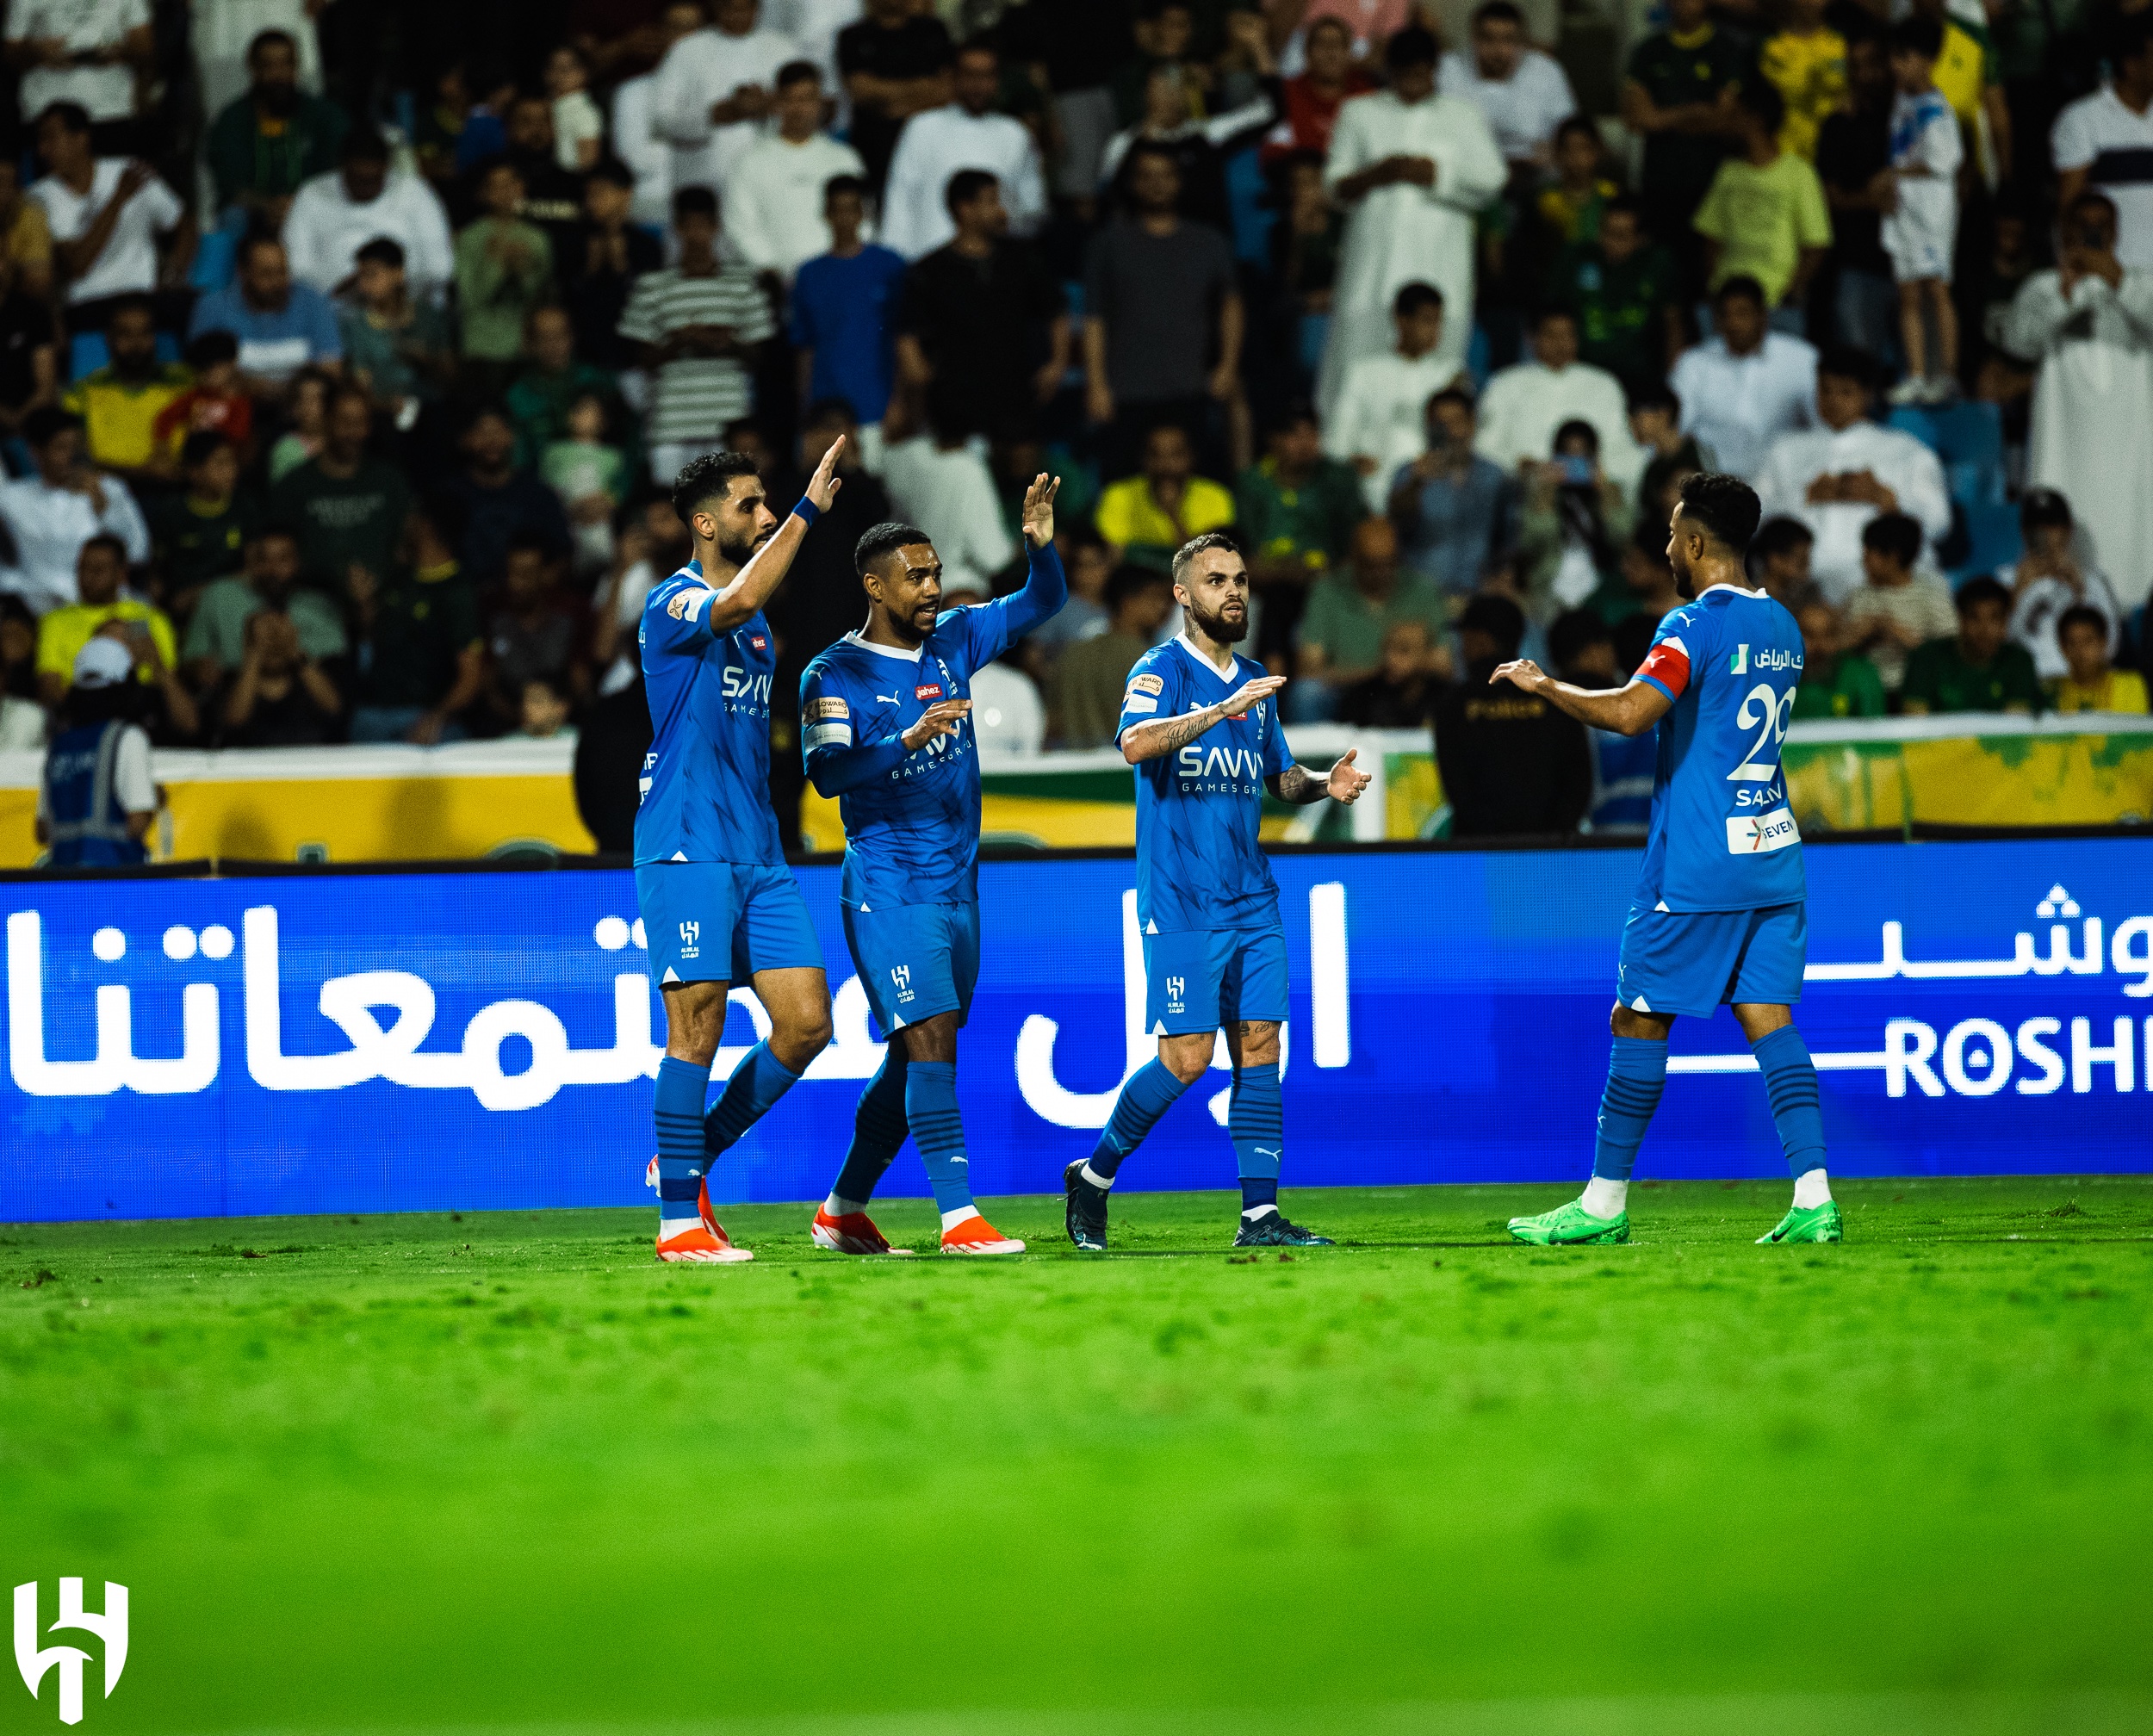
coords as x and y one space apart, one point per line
896 652
1182 640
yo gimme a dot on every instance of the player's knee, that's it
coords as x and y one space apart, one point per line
1186 1062
806 1035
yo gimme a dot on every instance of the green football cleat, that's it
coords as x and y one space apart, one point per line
1816 1223
1569 1225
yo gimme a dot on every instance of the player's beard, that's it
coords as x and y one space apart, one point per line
1218 629
738 551
1685 584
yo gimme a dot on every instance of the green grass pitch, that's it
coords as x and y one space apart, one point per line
502 1470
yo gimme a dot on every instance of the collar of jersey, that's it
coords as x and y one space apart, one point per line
1725 585
902 656
1182 640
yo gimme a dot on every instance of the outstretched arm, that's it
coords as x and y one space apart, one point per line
1628 710
1343 782
1143 742
835 765
1045 586
753 585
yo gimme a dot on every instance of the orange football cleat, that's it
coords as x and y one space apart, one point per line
852 1232
704 1245
702 1201
976 1236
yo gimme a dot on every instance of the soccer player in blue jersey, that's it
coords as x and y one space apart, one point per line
719 906
1718 914
1199 724
885 729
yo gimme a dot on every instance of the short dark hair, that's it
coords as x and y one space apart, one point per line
799 72
1980 589
2128 36
1414 46
363 144
694 201
1497 12
844 184
1498 617
1626 202
1200 545
1296 412
276 527
48 421
2082 615
1414 296
1450 394
71 115
1553 310
1725 507
1574 630
1577 428
1779 536
1742 287
1916 35
104 539
831 409
709 476
528 541
976 44
1849 361
1896 535
885 538
965 186
264 37
1761 99
200 446
211 350
612 171
1578 123
1654 394
2044 508
129 301
382 250
256 239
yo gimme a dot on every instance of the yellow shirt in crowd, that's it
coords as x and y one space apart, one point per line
65 630
1763 219
1129 517
119 419
2123 691
1810 73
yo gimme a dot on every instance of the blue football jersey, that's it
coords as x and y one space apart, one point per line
1198 864
706 784
1722 837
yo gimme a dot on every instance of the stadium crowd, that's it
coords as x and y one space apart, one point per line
346 349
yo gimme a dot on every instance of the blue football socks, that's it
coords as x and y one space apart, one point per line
878 1129
678 1113
1148 1095
1790 1083
757 1082
930 1106
1256 1120
1637 1074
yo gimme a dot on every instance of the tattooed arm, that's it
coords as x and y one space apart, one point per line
1153 740
1298 784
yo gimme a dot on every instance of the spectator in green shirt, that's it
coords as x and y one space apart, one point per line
216 636
1979 669
265 143
1626 295
1764 215
421 658
1349 613
504 270
1295 509
1833 684
1093 673
348 505
552 380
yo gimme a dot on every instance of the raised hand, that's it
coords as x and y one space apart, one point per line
1523 673
1038 509
1248 693
822 487
936 720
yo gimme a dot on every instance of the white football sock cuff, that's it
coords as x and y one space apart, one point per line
1812 1188
962 1214
1253 1213
1605 1196
1093 1176
843 1208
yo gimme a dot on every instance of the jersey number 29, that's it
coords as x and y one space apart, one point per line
1774 711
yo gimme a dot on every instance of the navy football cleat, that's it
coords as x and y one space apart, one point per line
1272 1231
1087 1214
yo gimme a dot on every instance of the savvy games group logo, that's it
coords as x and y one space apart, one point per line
34 1663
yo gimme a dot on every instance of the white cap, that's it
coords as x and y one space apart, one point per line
103 662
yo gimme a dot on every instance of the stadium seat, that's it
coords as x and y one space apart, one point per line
1992 528
1968 438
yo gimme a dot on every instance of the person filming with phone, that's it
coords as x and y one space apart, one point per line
1574 522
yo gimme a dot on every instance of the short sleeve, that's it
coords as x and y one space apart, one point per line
1678 649
826 711
1711 221
160 204
681 622
1277 756
639 319
1149 694
2071 141
131 781
1813 220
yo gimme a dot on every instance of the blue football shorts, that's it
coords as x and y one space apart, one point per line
915 960
1688 962
723 921
1204 980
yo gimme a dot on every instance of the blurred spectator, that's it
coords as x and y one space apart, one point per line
22 721
541 715
531 636
147 632
896 64
637 140
216 403
938 481
1172 95
347 505
1853 151
1368 23
307 430
200 532
653 544
1093 673
504 270
108 216
1625 296
579 127
1381 421
2049 583
2099 142
588 474
982 320
715 87
265 144
26 238
1569 209
2089 682
495 505
280 697
1073 52
1835 478
1295 510
1008 719
1162 314
120 403
844 311
1897 610
821 600
1522 93
1779 560
1573 521
96 799
1304 243
1805 60
1146 518
1412 222
1921 228
1524 405
1834 684
598 275
280 326
1401 693
1310 101
963 133
2090 321
221 34
1977 668
63 503
1764 215
1655 423
1084 615
398 347
1639 582
216 637
1746 384
1349 613
332 216
18 644
1680 96
775 197
420 663
29 345
1511 765
698 323
1451 506
552 199
82 52
1582 648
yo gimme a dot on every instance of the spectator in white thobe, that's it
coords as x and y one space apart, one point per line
965 134
2091 322
1524 94
1524 405
774 200
1415 167
1836 477
635 138
715 90
1381 421
64 502
1745 385
942 484
333 215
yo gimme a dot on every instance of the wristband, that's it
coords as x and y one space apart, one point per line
807 511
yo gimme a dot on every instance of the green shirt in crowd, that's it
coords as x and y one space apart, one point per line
1621 309
1848 687
504 270
1764 218
218 630
1349 624
271 158
1311 521
340 520
423 622
1940 679
538 405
